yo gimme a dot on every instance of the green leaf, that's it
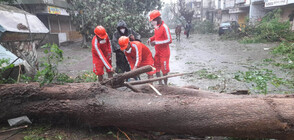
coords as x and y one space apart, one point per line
46 51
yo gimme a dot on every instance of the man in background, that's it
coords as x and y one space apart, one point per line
122 30
188 28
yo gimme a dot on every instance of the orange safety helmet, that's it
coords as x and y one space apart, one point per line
100 32
123 42
154 14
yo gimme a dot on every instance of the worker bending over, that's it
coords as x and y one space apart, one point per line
101 52
138 55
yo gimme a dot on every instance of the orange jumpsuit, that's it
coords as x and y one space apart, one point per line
139 55
101 52
162 39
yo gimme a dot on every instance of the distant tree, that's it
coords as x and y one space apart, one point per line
181 12
87 14
174 9
168 16
186 12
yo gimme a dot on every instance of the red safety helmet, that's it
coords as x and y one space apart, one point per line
100 32
154 14
123 42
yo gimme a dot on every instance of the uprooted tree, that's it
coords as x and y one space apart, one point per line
178 110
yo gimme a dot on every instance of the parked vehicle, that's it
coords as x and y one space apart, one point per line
228 26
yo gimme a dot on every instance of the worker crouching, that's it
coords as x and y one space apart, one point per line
138 55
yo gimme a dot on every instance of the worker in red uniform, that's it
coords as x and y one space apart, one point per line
161 40
101 52
138 55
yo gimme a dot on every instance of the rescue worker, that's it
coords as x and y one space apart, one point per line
138 55
101 52
122 30
161 40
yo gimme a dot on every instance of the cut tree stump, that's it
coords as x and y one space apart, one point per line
178 110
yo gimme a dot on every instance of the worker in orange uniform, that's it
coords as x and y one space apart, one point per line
101 52
161 40
138 55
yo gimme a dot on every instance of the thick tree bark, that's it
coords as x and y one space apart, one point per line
119 79
178 110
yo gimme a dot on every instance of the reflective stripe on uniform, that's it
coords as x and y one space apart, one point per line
137 54
100 55
164 63
167 34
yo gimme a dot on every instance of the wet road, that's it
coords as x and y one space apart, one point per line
208 54
202 55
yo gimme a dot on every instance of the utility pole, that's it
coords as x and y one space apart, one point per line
201 8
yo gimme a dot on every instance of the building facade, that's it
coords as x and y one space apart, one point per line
20 33
253 10
196 5
235 10
287 7
54 16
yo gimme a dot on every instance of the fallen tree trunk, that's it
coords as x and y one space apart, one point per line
184 111
154 79
119 79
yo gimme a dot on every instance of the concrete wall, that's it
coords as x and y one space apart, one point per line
229 17
62 37
256 12
233 17
287 10
225 17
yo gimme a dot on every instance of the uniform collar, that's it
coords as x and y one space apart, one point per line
161 23
129 51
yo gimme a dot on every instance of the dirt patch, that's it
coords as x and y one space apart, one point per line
76 59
